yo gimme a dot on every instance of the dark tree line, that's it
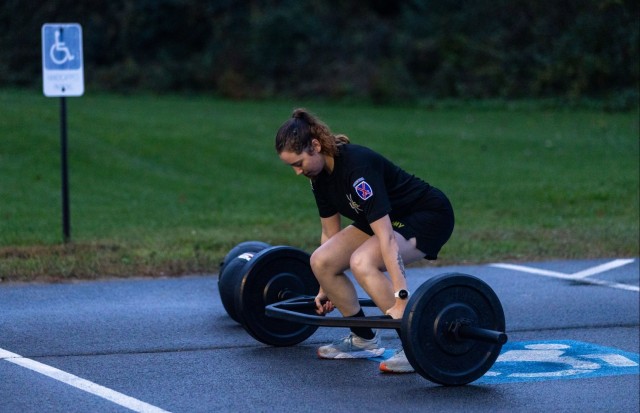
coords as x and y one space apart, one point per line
382 50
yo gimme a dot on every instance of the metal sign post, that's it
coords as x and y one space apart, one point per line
66 213
63 75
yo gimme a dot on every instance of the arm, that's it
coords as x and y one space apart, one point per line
330 227
392 260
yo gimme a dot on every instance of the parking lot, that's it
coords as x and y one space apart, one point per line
168 345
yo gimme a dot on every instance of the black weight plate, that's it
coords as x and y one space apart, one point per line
241 248
431 349
268 275
229 280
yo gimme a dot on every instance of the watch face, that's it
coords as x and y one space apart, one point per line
403 294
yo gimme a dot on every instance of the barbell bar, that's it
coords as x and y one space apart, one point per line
289 310
452 330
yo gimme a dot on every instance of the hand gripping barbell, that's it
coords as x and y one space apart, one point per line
452 330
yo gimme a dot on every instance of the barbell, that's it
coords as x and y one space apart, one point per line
231 267
452 329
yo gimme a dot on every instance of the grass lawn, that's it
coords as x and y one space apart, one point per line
166 185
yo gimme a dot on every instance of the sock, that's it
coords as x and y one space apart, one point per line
363 332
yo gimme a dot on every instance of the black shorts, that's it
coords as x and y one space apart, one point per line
431 228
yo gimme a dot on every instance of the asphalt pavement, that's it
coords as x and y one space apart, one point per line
168 345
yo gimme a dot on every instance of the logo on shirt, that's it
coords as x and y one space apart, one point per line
353 204
397 224
363 189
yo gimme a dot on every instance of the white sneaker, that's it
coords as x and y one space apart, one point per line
352 347
397 363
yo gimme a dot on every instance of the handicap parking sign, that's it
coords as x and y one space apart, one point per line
62 60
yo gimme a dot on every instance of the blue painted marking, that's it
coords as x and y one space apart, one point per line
557 360
387 354
554 360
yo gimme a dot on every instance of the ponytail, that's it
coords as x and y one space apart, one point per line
341 139
296 134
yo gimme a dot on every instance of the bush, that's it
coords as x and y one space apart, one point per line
383 51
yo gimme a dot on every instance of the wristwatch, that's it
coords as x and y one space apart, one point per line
401 294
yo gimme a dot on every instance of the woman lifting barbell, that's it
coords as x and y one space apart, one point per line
397 219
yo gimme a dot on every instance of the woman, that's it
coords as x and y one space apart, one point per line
397 219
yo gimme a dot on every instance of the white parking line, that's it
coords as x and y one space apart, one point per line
580 275
531 270
602 268
80 383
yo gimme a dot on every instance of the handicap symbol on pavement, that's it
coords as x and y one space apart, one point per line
554 360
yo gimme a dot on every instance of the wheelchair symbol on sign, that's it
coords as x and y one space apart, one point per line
59 52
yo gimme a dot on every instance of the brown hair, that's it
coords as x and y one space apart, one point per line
296 134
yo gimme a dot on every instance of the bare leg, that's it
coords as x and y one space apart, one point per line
367 266
330 261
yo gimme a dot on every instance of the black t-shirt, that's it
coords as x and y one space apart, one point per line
364 186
